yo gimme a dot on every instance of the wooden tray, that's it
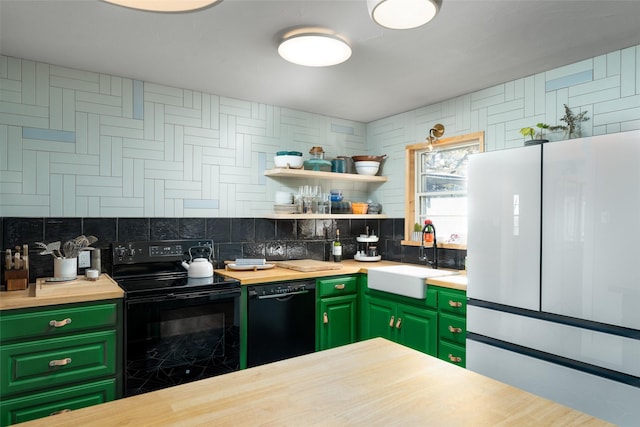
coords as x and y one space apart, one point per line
309 265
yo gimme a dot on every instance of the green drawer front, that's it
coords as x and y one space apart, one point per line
337 286
453 302
58 321
27 366
452 328
42 405
452 353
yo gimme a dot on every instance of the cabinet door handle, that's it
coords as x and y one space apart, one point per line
455 359
340 286
59 323
62 411
399 323
455 303
454 330
60 362
392 321
325 318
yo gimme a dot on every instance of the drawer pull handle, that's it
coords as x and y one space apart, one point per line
60 362
454 330
340 286
62 411
325 318
455 359
392 321
59 323
456 304
399 323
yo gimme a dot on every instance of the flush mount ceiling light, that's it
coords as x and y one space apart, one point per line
403 14
314 47
165 5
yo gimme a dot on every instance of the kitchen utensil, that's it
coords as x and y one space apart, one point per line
365 158
52 249
367 167
337 165
359 208
199 267
288 160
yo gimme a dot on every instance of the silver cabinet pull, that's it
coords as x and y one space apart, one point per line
62 411
340 286
60 362
59 323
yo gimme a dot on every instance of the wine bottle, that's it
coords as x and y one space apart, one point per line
337 248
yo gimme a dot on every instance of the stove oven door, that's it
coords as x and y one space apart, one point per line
178 338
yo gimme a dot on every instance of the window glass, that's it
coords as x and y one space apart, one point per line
438 187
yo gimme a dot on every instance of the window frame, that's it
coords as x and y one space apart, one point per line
410 180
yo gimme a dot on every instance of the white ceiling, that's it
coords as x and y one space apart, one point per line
230 49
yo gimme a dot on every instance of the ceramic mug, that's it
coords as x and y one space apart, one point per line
337 165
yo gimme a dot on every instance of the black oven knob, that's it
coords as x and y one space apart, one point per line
119 252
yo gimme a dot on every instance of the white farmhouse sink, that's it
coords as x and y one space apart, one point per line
406 280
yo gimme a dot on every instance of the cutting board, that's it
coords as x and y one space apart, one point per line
309 265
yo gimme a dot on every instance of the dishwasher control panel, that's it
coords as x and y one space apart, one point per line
281 290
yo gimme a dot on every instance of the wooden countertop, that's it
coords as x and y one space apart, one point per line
277 274
374 382
80 290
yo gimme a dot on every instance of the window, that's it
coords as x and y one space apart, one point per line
437 187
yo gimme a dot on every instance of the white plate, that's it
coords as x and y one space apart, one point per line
250 267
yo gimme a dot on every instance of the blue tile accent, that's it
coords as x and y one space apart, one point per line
201 204
347 130
49 135
262 166
570 80
138 99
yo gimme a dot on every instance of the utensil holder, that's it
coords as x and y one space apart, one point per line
65 268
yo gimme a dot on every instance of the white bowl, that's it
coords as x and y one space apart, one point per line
367 168
288 161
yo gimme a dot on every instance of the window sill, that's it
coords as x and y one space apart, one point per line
459 246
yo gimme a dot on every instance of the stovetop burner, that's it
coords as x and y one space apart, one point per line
154 268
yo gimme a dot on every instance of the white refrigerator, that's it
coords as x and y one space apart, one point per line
554 272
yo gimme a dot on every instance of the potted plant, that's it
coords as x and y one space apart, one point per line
572 127
417 232
531 133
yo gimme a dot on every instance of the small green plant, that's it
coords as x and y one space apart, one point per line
417 227
531 132
572 127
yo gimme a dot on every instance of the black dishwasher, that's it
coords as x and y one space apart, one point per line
281 321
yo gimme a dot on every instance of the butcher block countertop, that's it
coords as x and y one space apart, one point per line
278 274
370 383
44 293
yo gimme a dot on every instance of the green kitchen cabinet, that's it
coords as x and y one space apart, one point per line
411 323
59 358
452 325
337 311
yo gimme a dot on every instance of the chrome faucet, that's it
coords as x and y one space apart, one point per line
428 228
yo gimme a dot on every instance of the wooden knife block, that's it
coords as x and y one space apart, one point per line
16 280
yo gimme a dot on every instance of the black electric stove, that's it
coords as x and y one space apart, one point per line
177 329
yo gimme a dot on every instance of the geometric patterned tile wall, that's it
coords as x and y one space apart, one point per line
606 86
83 144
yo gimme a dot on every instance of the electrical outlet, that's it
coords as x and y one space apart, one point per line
84 259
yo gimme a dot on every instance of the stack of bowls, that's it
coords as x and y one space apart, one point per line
359 208
368 165
288 159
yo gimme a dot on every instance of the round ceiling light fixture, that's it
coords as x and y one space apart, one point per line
403 14
165 5
314 47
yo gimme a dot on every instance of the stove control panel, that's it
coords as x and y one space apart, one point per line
159 251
